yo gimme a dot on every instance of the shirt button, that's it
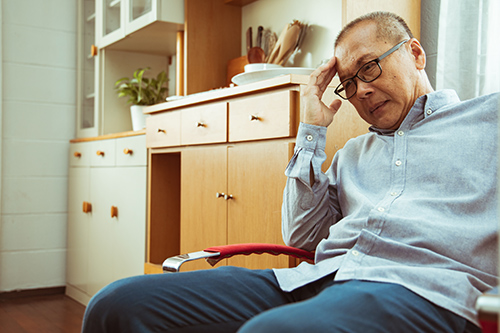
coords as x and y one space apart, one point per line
355 253
309 138
429 111
380 209
398 162
394 193
401 133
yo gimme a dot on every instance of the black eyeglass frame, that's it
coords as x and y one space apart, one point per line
340 87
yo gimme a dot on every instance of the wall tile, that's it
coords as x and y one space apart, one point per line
34 195
38 121
33 232
32 269
39 84
49 14
35 158
32 45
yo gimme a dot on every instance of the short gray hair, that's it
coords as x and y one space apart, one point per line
390 27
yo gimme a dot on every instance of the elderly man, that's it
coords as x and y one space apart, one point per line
403 222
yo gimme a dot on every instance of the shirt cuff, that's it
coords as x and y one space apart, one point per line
311 137
311 142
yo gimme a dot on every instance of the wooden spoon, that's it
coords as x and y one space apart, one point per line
256 55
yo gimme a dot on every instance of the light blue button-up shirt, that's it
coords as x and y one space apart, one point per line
416 206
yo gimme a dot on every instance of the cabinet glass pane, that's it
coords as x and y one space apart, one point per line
87 74
112 13
139 8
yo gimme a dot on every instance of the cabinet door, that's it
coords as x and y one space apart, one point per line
78 227
256 181
110 21
87 61
129 226
203 212
101 228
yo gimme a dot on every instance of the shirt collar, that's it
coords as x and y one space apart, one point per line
424 106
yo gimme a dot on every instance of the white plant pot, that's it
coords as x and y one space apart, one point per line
138 117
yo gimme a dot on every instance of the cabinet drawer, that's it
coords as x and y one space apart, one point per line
131 151
79 154
102 153
163 130
263 117
204 124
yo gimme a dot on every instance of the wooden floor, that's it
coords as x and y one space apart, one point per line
41 314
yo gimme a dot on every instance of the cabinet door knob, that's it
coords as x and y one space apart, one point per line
219 195
161 130
114 211
127 151
228 196
99 153
253 117
93 50
87 207
77 154
200 124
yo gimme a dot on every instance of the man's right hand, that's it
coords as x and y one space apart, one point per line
314 110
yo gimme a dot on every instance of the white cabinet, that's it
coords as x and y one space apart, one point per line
119 18
116 37
107 213
87 64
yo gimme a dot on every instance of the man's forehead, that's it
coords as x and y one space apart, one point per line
349 60
358 46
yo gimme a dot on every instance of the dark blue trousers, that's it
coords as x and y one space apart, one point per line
230 299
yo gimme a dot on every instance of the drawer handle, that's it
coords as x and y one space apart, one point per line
114 211
99 153
200 124
127 151
77 154
228 196
161 130
254 117
87 207
219 195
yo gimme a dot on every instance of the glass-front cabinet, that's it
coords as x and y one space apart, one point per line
87 60
116 37
110 21
118 18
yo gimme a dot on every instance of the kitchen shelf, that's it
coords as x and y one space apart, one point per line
239 3
114 3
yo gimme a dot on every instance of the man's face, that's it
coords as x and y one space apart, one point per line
386 101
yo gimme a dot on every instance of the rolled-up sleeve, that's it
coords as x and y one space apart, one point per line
308 210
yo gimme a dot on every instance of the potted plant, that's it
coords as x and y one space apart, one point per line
142 91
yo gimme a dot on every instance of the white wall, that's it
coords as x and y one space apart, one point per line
38 106
324 18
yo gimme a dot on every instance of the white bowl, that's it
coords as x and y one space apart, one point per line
260 67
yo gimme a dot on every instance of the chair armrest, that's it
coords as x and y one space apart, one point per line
216 253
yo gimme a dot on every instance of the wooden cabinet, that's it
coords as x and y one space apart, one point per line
231 171
232 194
107 213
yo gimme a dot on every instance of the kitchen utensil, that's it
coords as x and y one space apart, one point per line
289 40
277 47
260 30
256 54
270 39
249 39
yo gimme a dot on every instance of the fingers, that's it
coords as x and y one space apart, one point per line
323 75
335 105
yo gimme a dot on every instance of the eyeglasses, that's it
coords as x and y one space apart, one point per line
369 72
